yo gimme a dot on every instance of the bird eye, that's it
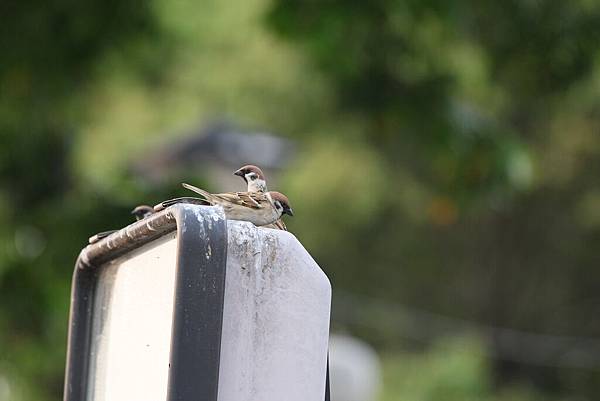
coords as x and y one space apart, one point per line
253 176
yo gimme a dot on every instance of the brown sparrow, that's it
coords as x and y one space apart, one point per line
142 211
257 182
259 208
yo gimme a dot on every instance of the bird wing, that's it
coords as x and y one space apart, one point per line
254 200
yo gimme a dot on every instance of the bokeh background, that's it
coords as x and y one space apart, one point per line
442 158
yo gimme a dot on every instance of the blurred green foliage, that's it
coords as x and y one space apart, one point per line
453 369
449 159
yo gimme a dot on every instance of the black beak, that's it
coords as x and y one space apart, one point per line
289 211
241 173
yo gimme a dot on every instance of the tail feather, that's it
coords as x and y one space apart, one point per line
186 199
205 194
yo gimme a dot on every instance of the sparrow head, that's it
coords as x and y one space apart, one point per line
142 211
281 202
254 177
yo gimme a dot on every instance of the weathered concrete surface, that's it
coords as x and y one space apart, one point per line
276 319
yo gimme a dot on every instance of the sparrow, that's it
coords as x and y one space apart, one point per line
257 182
259 208
140 212
254 177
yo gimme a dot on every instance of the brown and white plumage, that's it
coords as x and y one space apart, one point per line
254 177
257 182
259 208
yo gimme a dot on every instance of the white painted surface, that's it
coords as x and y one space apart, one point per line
276 319
354 368
132 326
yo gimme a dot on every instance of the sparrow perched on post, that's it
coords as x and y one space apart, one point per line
259 208
257 182
140 212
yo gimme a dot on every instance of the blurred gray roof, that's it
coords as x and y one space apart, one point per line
218 143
